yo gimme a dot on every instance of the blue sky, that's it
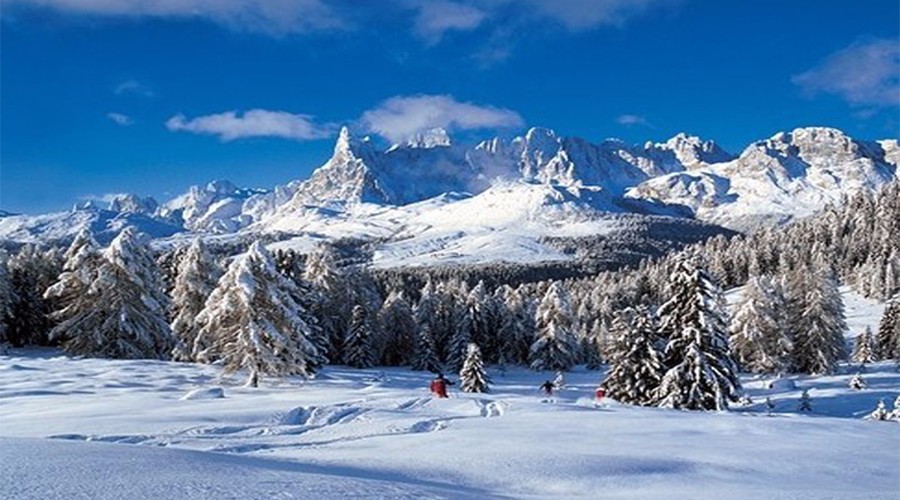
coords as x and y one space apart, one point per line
151 96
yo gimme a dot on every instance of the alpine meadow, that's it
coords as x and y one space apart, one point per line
411 287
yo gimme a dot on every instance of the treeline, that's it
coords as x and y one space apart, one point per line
284 313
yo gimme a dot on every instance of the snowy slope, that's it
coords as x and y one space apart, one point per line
506 223
94 428
62 226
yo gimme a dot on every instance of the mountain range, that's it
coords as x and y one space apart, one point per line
430 200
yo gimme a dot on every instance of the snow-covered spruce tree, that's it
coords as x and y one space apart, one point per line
124 316
335 305
398 322
472 377
887 341
252 321
895 412
636 364
424 354
594 345
819 338
457 349
195 279
864 348
31 272
857 383
450 322
517 322
805 401
758 341
555 346
486 322
68 296
292 266
700 372
359 344
879 413
6 301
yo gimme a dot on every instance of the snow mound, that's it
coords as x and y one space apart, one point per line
204 393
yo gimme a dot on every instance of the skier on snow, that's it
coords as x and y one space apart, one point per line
548 387
439 386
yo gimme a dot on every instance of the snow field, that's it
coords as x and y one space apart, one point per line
377 433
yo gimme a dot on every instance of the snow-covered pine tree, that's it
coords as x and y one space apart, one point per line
69 295
879 413
805 401
472 377
895 412
758 341
359 345
636 363
398 323
517 325
857 383
458 346
863 348
555 346
424 354
485 322
252 321
31 272
594 345
125 314
819 340
6 301
195 279
700 372
887 341
334 307
450 327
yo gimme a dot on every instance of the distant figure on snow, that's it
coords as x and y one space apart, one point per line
439 386
599 394
548 387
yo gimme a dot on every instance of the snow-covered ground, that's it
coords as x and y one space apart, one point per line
111 429
89 428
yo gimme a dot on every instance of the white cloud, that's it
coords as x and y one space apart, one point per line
632 120
401 117
102 198
253 123
585 14
863 74
434 18
275 17
134 87
120 119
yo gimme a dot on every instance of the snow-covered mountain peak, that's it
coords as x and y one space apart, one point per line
691 150
347 147
433 138
132 203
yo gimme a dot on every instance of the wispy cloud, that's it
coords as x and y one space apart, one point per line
401 117
863 74
231 125
632 120
120 119
274 17
106 198
580 15
133 87
434 18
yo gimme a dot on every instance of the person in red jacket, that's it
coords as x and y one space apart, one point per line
439 386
